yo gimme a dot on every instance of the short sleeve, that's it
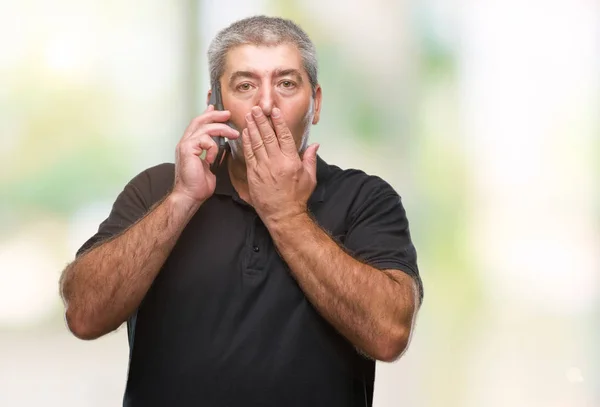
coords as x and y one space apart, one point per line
130 206
379 234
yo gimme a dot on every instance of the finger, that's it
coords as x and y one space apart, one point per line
206 164
199 144
215 129
202 139
284 135
247 146
256 142
266 132
209 116
309 160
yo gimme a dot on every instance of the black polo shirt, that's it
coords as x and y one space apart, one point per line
226 324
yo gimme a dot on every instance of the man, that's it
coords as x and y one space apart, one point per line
276 281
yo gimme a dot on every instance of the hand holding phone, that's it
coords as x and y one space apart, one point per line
195 179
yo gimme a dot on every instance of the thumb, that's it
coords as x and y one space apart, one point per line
309 159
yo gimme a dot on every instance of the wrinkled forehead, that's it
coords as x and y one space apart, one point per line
264 60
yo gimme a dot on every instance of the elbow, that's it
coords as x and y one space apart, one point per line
80 326
78 321
392 346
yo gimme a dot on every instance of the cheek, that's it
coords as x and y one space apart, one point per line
296 115
238 117
238 122
238 114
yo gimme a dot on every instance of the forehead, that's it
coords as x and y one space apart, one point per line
263 59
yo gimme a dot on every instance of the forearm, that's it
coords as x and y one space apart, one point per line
104 286
370 308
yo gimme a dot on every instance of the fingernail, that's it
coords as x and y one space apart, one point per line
275 112
248 117
256 111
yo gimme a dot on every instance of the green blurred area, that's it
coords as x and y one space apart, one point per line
64 153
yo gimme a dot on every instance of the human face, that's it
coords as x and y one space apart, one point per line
268 77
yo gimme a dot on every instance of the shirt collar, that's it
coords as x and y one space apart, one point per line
224 185
322 178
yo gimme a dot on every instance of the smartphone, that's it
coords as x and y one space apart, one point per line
217 101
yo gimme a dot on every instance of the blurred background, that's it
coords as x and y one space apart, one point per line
484 115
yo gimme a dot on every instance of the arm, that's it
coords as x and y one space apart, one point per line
373 309
105 285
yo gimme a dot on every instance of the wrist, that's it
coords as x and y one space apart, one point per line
183 204
289 220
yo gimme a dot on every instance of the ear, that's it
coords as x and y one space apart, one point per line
208 96
318 98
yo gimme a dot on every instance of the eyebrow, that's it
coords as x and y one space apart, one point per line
289 72
253 75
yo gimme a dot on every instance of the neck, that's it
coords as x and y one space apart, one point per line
238 176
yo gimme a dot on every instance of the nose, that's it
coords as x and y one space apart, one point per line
266 100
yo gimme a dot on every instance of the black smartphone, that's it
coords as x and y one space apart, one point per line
217 101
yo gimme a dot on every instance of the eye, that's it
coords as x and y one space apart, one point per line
287 84
244 86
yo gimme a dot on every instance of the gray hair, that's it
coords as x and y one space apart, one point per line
261 30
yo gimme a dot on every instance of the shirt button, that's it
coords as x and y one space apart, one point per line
256 249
